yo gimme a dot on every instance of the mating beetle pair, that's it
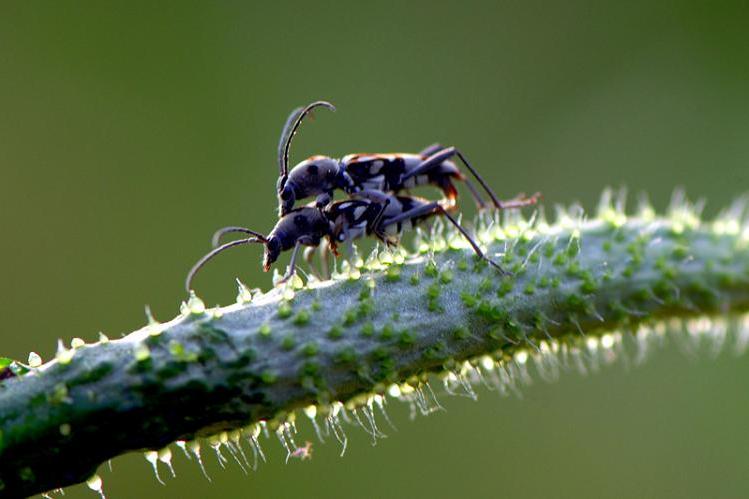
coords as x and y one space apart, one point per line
374 208
319 176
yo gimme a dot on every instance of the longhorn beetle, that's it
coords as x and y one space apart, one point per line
319 176
370 213
306 226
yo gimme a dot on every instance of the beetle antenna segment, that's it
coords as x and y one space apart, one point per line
209 256
290 129
282 170
216 239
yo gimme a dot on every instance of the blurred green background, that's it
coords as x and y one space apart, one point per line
129 131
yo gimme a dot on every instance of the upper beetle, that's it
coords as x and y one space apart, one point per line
320 176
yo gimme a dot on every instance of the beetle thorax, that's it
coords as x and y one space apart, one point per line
314 176
302 222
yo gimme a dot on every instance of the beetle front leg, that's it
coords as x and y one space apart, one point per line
323 200
302 241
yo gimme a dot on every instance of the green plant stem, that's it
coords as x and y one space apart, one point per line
211 371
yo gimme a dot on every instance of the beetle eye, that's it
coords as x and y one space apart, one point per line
341 237
286 194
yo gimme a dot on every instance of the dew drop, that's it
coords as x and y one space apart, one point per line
34 359
394 391
194 447
195 305
252 435
153 458
386 257
183 446
94 483
487 363
334 423
296 282
281 434
63 355
311 412
592 343
244 295
149 317
215 442
165 456
235 438
607 341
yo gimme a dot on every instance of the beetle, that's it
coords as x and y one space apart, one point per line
305 226
385 216
320 176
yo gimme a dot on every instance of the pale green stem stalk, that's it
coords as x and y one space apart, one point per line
211 371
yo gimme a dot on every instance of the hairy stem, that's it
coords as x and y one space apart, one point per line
388 323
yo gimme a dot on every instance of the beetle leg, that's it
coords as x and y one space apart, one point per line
304 240
309 254
480 204
323 200
431 149
435 207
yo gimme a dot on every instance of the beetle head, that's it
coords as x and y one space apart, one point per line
286 196
272 251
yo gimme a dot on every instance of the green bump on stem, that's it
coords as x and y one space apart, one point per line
368 329
288 342
284 310
310 349
220 370
264 330
335 332
393 274
301 318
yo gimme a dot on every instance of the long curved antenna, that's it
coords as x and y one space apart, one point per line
216 239
284 136
209 256
283 159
